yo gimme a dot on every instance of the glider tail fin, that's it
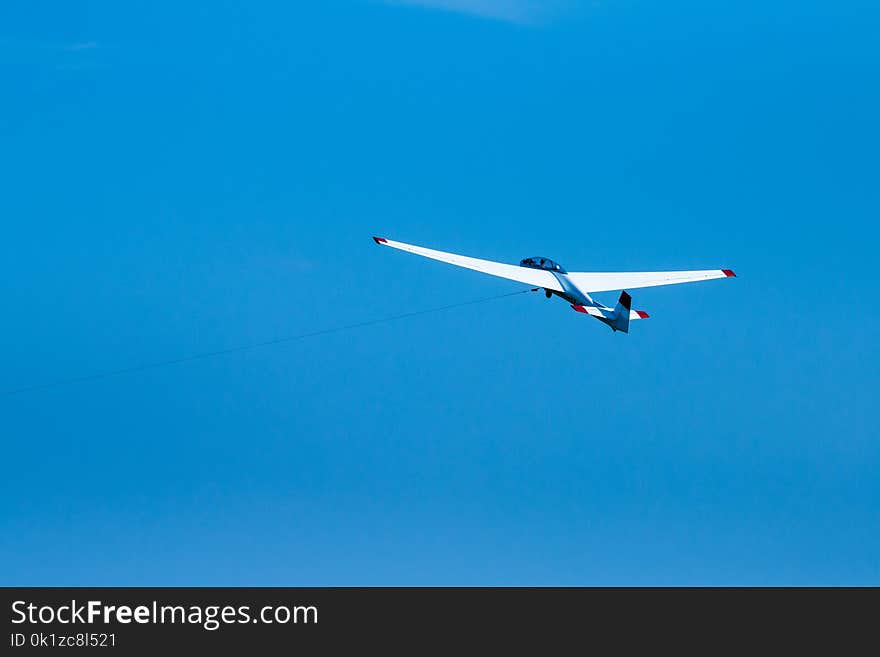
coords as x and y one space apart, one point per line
619 321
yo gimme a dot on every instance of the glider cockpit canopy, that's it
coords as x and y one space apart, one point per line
542 263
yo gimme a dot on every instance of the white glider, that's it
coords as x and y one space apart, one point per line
575 287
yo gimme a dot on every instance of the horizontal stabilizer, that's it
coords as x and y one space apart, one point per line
596 312
619 317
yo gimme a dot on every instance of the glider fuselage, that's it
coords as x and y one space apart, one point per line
570 292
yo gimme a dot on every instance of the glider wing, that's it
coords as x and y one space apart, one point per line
536 277
605 281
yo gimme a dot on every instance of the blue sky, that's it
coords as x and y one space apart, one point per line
180 179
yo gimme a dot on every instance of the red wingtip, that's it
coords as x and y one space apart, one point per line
643 314
728 272
380 240
580 309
